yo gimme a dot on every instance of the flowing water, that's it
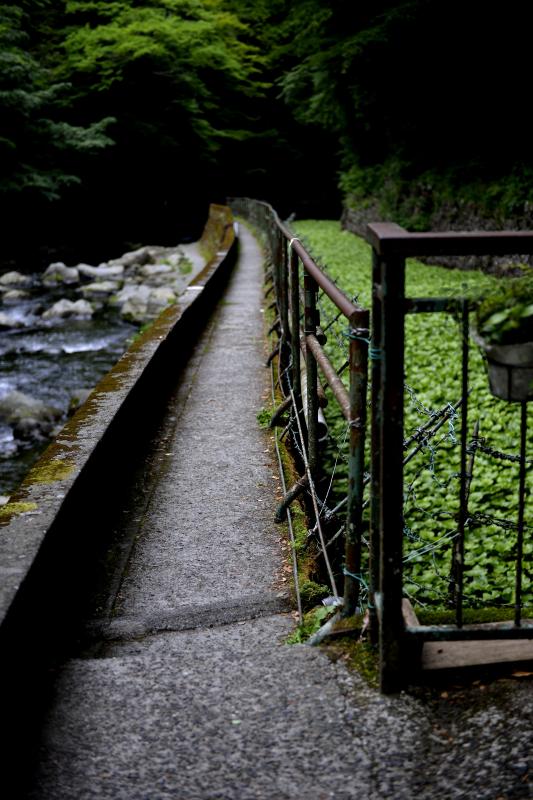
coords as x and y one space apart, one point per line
51 360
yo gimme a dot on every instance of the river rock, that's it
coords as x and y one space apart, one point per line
104 272
7 322
128 291
68 308
134 302
159 299
155 272
30 418
14 279
58 272
100 289
144 255
14 295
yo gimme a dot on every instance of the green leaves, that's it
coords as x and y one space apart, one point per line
37 141
505 315
431 485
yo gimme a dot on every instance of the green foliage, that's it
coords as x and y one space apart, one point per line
180 56
37 142
506 316
312 593
263 417
415 128
433 359
312 621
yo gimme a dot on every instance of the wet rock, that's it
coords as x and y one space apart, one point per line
159 299
68 308
14 279
143 255
143 303
7 322
30 418
60 273
100 289
156 274
129 291
14 295
135 305
104 272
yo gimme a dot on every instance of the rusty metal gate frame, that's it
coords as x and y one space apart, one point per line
401 641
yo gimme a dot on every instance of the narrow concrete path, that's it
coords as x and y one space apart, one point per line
188 691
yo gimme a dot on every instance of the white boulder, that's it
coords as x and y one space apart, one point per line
69 308
100 289
58 272
104 272
14 295
29 417
159 299
14 279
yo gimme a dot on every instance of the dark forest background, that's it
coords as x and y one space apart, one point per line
121 121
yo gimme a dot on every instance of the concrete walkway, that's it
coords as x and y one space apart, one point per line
188 691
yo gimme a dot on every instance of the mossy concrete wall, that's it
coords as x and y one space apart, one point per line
54 527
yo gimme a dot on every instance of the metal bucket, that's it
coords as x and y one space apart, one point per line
510 368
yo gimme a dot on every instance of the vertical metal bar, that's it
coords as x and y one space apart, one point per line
310 288
375 382
276 257
459 550
391 631
295 323
356 463
521 504
284 294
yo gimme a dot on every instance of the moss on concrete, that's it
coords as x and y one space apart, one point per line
51 470
14 509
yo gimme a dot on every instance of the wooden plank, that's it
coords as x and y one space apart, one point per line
454 655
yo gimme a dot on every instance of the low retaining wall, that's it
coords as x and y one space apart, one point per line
53 528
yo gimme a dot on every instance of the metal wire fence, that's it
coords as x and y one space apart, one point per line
395 515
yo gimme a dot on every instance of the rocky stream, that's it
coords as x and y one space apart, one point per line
63 329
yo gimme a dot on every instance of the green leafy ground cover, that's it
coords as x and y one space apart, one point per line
433 375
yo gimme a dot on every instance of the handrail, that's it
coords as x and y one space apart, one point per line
287 253
390 239
335 294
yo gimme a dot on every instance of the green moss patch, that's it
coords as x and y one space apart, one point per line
14 509
49 471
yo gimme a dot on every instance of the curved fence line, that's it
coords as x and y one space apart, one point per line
392 622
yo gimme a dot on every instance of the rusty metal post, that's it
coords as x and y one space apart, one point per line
284 292
375 447
459 544
391 628
310 322
276 251
295 324
356 461
521 504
